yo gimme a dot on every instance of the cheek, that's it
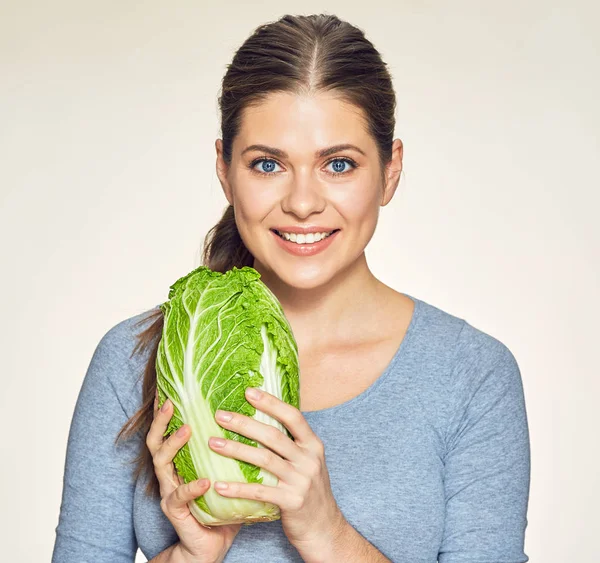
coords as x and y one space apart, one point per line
359 205
252 203
247 209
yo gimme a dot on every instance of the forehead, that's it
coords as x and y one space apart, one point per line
294 122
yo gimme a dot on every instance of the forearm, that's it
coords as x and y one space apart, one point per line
346 545
177 554
169 555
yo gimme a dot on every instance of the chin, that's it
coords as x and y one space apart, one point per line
305 278
301 275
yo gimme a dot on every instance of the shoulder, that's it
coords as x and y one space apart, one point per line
460 360
485 372
120 359
471 373
119 338
465 346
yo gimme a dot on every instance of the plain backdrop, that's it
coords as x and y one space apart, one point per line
108 118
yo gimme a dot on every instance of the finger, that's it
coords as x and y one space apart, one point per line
169 448
163 451
261 457
283 498
287 414
176 504
176 478
269 436
155 436
163 460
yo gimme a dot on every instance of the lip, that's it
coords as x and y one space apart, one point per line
305 249
304 230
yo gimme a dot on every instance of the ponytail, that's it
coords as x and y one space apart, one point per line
224 247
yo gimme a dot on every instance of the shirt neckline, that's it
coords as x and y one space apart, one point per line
397 357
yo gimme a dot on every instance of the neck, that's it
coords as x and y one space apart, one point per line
336 310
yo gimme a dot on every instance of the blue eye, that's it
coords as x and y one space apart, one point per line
339 165
267 165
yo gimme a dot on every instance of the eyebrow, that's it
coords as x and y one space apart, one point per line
318 154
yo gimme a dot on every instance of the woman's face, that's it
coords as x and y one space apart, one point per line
287 185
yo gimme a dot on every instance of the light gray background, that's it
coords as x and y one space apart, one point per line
108 118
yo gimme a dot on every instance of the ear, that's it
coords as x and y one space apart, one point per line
392 172
221 166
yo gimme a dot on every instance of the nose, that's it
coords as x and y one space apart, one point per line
304 196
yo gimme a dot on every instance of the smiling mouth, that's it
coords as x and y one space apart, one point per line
301 238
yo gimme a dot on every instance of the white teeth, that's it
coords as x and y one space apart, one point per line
300 238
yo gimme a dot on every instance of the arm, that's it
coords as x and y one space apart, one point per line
166 556
95 520
175 554
487 460
347 545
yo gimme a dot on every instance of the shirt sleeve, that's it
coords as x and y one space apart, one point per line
487 459
95 521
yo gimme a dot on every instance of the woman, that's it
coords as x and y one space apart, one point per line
421 415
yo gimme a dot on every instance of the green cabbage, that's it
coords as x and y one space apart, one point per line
223 333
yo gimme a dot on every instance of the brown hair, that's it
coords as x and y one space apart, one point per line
298 54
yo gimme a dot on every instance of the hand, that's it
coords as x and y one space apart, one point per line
310 515
197 543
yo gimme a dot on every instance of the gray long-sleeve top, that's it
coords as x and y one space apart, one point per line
430 463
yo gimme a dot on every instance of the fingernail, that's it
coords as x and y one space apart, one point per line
252 393
217 442
223 416
165 406
220 485
181 431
